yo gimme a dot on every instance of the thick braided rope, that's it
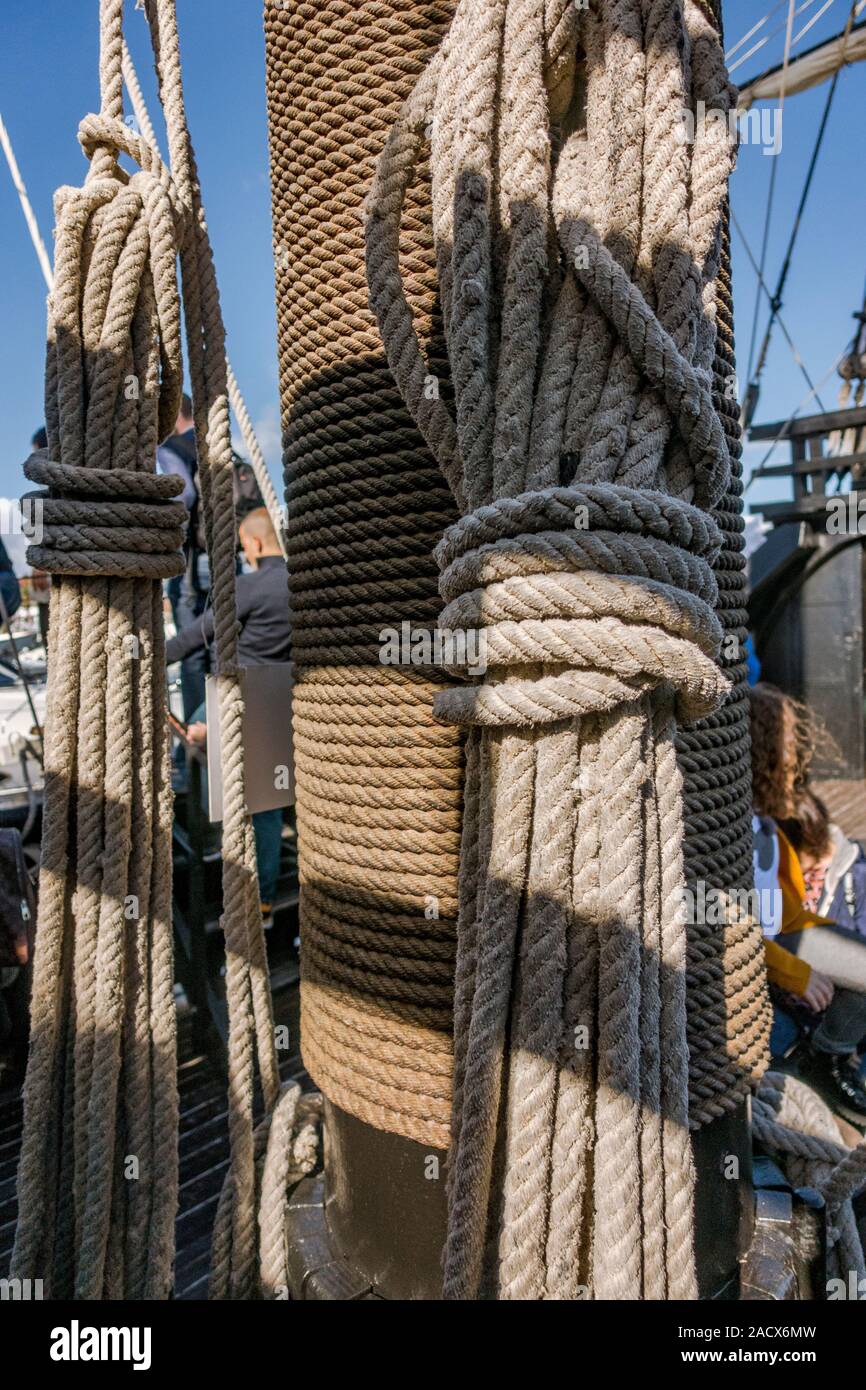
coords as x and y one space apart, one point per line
728 1006
613 317
250 1214
100 1091
233 1271
793 1123
378 780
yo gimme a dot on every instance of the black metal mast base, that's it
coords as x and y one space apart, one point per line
373 1226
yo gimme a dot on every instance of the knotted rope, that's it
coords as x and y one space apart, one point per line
793 1123
578 282
97 1176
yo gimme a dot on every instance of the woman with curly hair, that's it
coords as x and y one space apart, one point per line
815 932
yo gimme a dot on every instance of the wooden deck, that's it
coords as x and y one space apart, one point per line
204 1145
846 802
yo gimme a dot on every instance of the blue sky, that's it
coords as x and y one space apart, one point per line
48 80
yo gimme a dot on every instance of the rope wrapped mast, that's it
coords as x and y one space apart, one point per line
578 264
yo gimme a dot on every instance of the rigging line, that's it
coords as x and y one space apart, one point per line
795 352
238 404
813 20
776 301
783 432
26 208
755 27
807 5
771 193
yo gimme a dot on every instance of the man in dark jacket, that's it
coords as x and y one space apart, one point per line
262 598
265 637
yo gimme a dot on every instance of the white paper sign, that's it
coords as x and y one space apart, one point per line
269 779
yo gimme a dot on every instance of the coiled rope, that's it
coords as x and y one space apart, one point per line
97 1179
793 1123
578 286
378 780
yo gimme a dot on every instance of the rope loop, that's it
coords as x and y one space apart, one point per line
101 132
792 1122
600 627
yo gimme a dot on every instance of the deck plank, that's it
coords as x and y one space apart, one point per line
203 1148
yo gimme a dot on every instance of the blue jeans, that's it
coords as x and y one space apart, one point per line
841 954
268 830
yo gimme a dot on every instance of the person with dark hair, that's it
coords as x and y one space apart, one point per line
815 933
40 438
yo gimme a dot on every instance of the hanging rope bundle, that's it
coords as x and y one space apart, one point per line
97 1177
578 266
792 1122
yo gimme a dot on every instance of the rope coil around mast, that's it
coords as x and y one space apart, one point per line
602 359
378 780
101 1087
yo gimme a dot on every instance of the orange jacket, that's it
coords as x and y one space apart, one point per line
784 968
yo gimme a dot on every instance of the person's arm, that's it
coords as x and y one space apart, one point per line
785 969
797 977
197 634
170 462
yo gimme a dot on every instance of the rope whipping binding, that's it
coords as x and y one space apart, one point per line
378 779
101 1088
588 453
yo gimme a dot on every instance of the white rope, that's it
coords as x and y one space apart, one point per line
29 214
811 68
754 29
814 20
238 405
789 40
145 125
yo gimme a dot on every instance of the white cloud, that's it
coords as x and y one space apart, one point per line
267 429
